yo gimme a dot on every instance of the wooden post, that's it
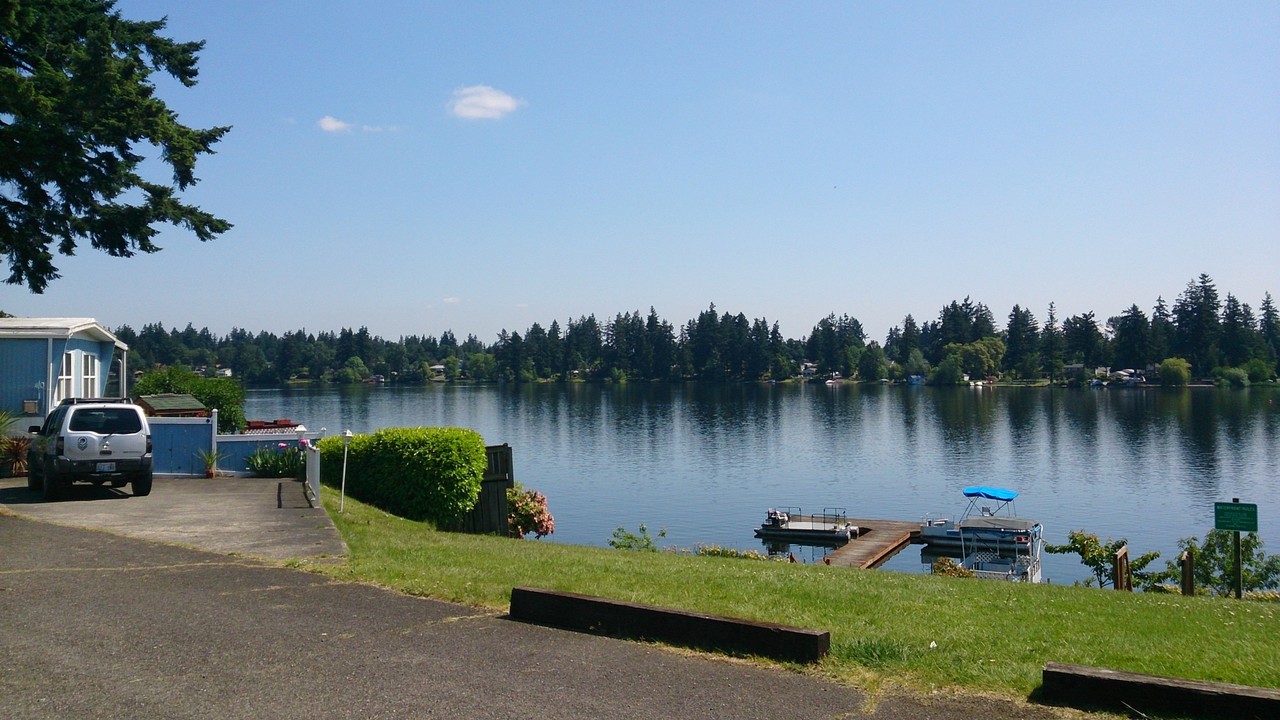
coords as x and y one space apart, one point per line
1188 572
1121 578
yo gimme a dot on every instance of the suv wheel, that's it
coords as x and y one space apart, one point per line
35 482
142 485
53 487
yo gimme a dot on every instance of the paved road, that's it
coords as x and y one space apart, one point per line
95 624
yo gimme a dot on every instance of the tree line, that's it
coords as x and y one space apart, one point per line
1209 333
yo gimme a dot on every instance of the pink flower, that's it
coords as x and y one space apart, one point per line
282 446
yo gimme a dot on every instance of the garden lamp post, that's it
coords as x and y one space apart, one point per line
346 445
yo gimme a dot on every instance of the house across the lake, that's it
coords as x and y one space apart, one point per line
46 360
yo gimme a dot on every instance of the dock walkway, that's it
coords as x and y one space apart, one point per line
878 541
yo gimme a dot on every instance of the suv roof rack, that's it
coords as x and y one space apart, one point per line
81 401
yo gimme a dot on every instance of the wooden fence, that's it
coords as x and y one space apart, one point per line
489 516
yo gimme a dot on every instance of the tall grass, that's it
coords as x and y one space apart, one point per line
919 630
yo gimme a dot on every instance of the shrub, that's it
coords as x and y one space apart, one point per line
1234 377
1100 557
1213 563
1175 372
728 552
1259 370
529 513
418 473
951 568
625 540
283 461
13 453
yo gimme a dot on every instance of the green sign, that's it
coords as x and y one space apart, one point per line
1241 517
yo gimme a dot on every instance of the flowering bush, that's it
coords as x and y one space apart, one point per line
529 513
284 460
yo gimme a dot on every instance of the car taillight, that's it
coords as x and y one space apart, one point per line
60 445
148 444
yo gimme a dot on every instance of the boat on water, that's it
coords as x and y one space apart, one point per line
832 527
988 537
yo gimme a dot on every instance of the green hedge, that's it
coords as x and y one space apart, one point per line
417 473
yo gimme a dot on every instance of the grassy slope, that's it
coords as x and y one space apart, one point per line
990 636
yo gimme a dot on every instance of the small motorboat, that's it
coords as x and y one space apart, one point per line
832 527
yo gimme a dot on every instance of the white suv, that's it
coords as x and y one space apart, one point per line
98 440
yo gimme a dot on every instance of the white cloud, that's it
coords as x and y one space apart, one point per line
451 300
481 102
329 123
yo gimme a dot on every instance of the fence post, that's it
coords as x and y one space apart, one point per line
313 472
1122 579
213 438
1188 574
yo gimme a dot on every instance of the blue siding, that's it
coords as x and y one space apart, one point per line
27 362
22 365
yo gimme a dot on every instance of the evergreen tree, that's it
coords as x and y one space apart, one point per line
1022 339
1240 340
873 366
76 98
1053 345
1084 341
1269 329
1162 332
1131 341
1198 329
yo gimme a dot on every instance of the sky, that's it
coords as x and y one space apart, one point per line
415 167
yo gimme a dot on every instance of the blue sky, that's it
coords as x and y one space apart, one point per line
414 167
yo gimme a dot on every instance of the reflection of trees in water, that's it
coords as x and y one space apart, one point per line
966 417
1196 425
1023 407
1080 409
909 403
1218 429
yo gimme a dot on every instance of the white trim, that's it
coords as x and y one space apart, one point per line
66 387
89 365
58 329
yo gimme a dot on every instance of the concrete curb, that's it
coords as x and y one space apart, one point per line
678 627
1083 686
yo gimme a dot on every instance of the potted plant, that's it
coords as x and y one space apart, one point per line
210 459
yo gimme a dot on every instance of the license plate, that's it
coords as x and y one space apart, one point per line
106 467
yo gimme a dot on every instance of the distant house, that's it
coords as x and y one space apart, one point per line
45 360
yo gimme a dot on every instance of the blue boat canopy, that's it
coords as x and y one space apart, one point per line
990 493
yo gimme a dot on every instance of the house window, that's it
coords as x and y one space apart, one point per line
66 378
90 383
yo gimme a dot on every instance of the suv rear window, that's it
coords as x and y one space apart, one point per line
106 421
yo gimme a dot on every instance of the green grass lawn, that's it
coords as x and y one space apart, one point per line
989 636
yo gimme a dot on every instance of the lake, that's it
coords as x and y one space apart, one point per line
704 462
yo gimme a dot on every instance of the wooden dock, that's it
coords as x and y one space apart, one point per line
879 540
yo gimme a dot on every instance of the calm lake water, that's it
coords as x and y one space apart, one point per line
704 462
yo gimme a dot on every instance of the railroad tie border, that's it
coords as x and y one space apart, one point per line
614 618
